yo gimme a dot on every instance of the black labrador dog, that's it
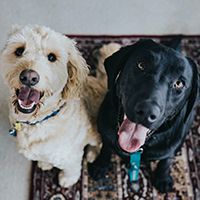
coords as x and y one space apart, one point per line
153 90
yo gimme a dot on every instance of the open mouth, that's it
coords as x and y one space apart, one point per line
27 99
131 135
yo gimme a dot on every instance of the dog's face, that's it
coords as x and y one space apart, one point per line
153 83
39 64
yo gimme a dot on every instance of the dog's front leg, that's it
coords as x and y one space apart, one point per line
162 179
99 167
70 173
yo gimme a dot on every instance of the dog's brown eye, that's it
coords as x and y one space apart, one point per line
178 84
52 57
141 66
19 51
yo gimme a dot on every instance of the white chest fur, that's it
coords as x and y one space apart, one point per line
56 138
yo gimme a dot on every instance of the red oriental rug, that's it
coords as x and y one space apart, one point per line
115 185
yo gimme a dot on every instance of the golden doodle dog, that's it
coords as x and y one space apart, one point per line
53 102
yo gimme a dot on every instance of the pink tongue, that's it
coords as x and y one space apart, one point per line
28 95
131 136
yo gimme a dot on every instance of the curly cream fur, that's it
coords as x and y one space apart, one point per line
59 141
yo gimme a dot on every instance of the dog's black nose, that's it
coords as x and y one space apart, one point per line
29 77
147 112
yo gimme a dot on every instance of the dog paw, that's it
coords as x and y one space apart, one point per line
97 171
163 184
66 181
44 166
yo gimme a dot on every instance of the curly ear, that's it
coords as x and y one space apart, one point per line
77 71
194 94
115 63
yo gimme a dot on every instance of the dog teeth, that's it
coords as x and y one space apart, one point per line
25 107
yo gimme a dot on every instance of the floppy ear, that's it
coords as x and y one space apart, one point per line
174 43
194 94
77 71
114 64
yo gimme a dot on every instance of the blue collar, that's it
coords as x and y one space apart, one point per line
17 125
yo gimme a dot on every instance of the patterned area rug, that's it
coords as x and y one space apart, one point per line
115 185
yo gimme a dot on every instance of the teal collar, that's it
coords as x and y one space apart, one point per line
133 171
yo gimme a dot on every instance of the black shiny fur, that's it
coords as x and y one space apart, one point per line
148 89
